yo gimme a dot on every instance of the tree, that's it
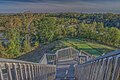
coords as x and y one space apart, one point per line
71 31
46 29
114 36
13 35
3 51
14 44
27 19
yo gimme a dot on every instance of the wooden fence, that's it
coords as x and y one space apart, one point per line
66 53
21 70
106 67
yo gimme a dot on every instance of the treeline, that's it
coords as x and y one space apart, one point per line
108 19
21 33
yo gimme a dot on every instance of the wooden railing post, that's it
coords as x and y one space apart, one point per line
8 67
25 72
32 72
1 73
21 71
15 75
39 72
34 68
44 72
29 72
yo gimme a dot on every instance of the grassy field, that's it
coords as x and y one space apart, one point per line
80 44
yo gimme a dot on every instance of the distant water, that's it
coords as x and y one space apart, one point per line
77 6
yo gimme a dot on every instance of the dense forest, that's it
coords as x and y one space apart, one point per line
23 32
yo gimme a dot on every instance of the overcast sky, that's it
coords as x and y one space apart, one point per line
85 6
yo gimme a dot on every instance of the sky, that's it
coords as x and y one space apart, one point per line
38 6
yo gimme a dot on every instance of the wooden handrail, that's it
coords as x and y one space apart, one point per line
22 70
107 55
106 67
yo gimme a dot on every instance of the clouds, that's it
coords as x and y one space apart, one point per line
92 6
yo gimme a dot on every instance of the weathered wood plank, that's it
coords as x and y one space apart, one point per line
29 72
21 72
1 74
8 67
32 72
15 75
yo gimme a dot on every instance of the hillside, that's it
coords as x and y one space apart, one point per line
80 44
31 30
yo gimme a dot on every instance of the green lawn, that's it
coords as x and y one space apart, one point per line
80 44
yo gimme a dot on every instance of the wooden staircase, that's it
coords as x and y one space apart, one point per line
65 64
